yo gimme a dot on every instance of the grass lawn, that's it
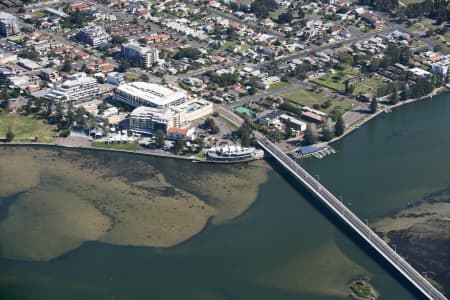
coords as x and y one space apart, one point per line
278 85
229 124
443 43
39 14
26 129
336 80
313 99
369 84
129 146
274 14
228 44
245 47
131 76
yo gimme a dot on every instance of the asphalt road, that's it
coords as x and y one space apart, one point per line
229 115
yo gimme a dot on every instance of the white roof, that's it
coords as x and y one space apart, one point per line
76 80
144 111
7 17
155 93
419 71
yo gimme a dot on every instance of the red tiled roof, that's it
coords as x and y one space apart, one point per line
174 130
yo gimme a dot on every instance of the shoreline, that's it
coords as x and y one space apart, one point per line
195 159
140 152
363 121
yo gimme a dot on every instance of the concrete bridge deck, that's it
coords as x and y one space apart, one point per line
414 277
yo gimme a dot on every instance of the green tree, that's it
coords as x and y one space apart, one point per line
64 133
349 88
300 13
160 138
310 136
288 129
5 103
124 65
9 135
244 133
285 18
179 145
118 40
327 133
211 126
67 66
189 52
394 97
261 8
373 105
339 128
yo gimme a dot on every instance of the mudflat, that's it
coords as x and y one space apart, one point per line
55 200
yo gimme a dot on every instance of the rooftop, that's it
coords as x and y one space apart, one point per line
155 93
144 111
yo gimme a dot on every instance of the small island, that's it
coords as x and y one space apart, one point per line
362 290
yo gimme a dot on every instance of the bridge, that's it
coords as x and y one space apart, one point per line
414 277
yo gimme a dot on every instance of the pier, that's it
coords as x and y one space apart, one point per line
346 215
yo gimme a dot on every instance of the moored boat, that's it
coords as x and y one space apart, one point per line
232 153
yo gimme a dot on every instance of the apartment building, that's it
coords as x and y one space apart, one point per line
146 56
77 87
93 35
8 24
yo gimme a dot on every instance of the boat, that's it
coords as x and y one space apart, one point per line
232 153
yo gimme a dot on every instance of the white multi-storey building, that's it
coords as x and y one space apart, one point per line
150 95
76 87
8 24
146 56
160 107
93 35
441 67
149 119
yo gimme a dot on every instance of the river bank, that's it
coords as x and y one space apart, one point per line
386 109
281 248
84 147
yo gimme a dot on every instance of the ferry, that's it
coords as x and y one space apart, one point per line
233 154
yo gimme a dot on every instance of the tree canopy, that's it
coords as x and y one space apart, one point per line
159 139
285 18
261 8
339 128
188 52
310 136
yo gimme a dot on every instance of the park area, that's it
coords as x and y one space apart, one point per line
336 81
317 100
26 129
369 84
278 85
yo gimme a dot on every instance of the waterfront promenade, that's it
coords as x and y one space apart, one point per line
315 187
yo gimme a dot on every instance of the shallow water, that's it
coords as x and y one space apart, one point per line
284 246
